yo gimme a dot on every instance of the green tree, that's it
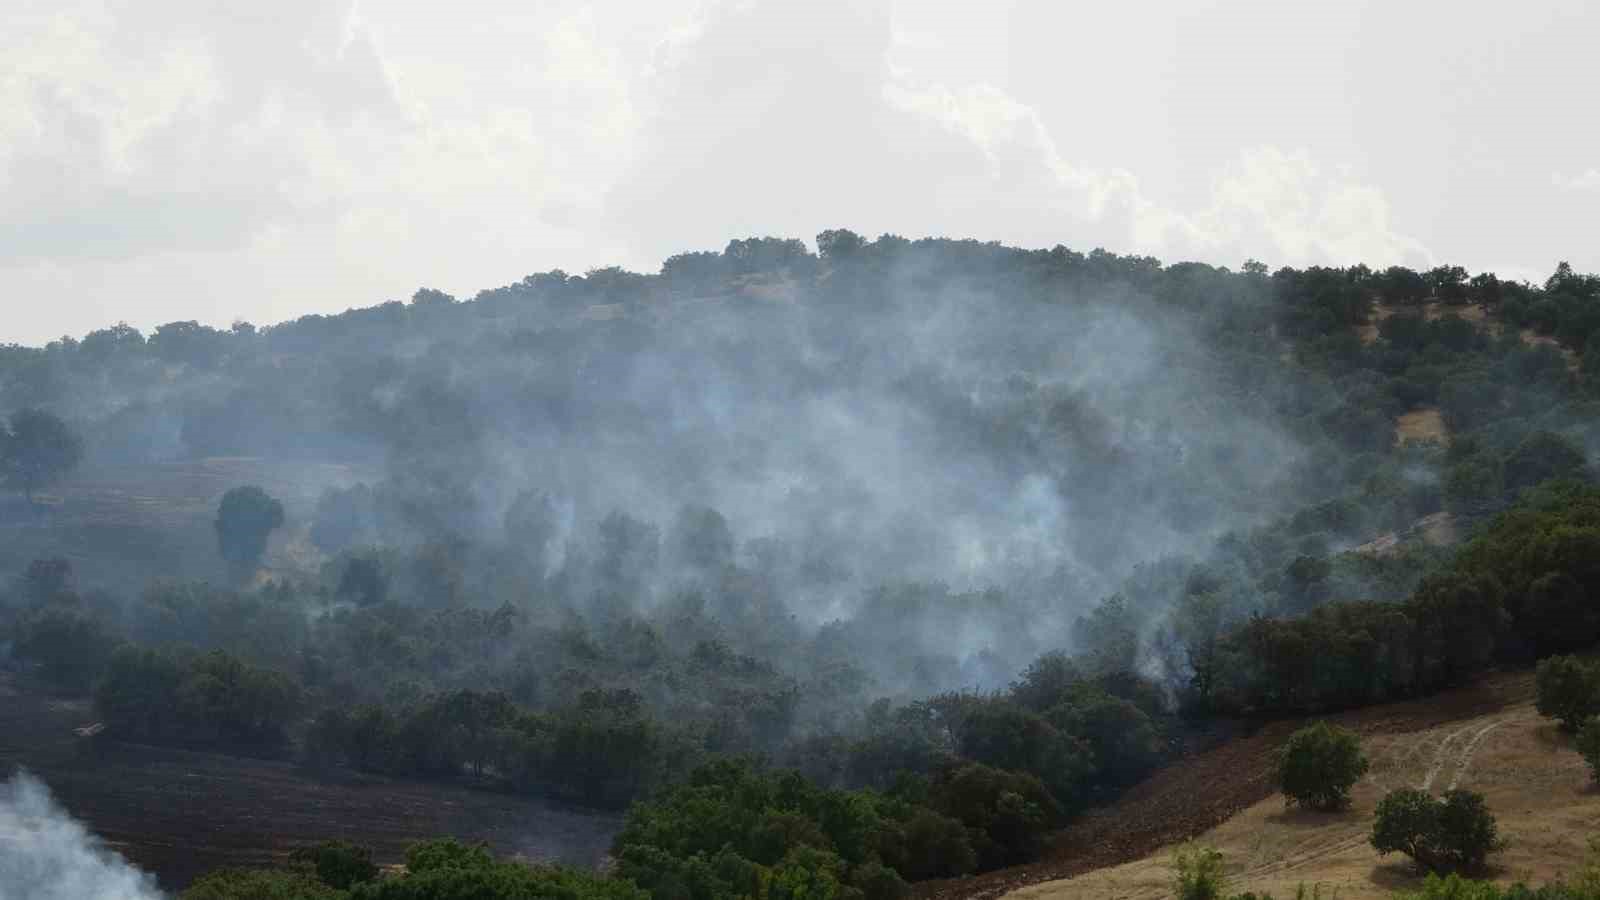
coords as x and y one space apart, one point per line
337 864
1467 830
38 450
238 702
1407 821
1541 456
138 697
1568 690
70 647
259 884
246 517
1454 833
1319 765
1589 745
449 870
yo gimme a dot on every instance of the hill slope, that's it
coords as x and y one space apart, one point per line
1486 737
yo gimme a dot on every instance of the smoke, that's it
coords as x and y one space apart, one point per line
45 854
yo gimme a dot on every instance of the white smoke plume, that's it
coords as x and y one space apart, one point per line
45 854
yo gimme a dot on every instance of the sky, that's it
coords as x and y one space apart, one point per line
224 161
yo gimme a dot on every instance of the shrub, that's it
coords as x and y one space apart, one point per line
71 648
1467 832
1442 835
1569 690
259 884
1589 745
1454 887
446 868
1199 873
1319 765
337 864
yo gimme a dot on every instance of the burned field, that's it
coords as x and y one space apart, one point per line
178 814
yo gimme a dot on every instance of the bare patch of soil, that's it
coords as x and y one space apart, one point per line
1426 424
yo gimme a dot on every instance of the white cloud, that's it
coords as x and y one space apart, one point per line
1588 180
171 159
1268 203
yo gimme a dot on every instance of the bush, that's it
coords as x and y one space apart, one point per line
259 884
337 864
1199 873
1589 745
245 518
1319 765
1455 833
446 868
71 648
1569 690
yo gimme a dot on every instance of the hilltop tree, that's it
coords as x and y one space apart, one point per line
246 517
839 243
37 450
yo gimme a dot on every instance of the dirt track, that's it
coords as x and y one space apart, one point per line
1198 794
178 814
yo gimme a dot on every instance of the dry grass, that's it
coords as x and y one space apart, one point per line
1534 781
1477 315
1534 339
1424 424
132 523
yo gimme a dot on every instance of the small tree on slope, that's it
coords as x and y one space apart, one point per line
1319 765
1456 833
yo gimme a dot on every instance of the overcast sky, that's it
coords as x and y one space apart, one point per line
198 159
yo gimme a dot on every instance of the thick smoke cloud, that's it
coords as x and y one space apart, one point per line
45 854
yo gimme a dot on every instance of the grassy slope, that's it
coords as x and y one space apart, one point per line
1538 787
1486 737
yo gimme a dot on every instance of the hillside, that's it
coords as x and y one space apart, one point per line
1487 738
179 813
134 522
934 525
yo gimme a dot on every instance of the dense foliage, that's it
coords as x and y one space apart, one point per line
1568 690
1452 833
434 870
1319 765
246 517
1588 742
36 449
970 537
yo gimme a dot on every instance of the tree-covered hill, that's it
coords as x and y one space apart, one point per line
973 536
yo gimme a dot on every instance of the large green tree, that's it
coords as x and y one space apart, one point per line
37 450
246 517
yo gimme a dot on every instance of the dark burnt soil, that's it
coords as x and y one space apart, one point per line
178 814
1203 790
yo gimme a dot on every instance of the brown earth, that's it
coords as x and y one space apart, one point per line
1476 314
179 813
1425 424
1201 793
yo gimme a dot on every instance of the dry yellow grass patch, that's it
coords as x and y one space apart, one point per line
1535 782
1476 314
1534 339
1421 425
1439 529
